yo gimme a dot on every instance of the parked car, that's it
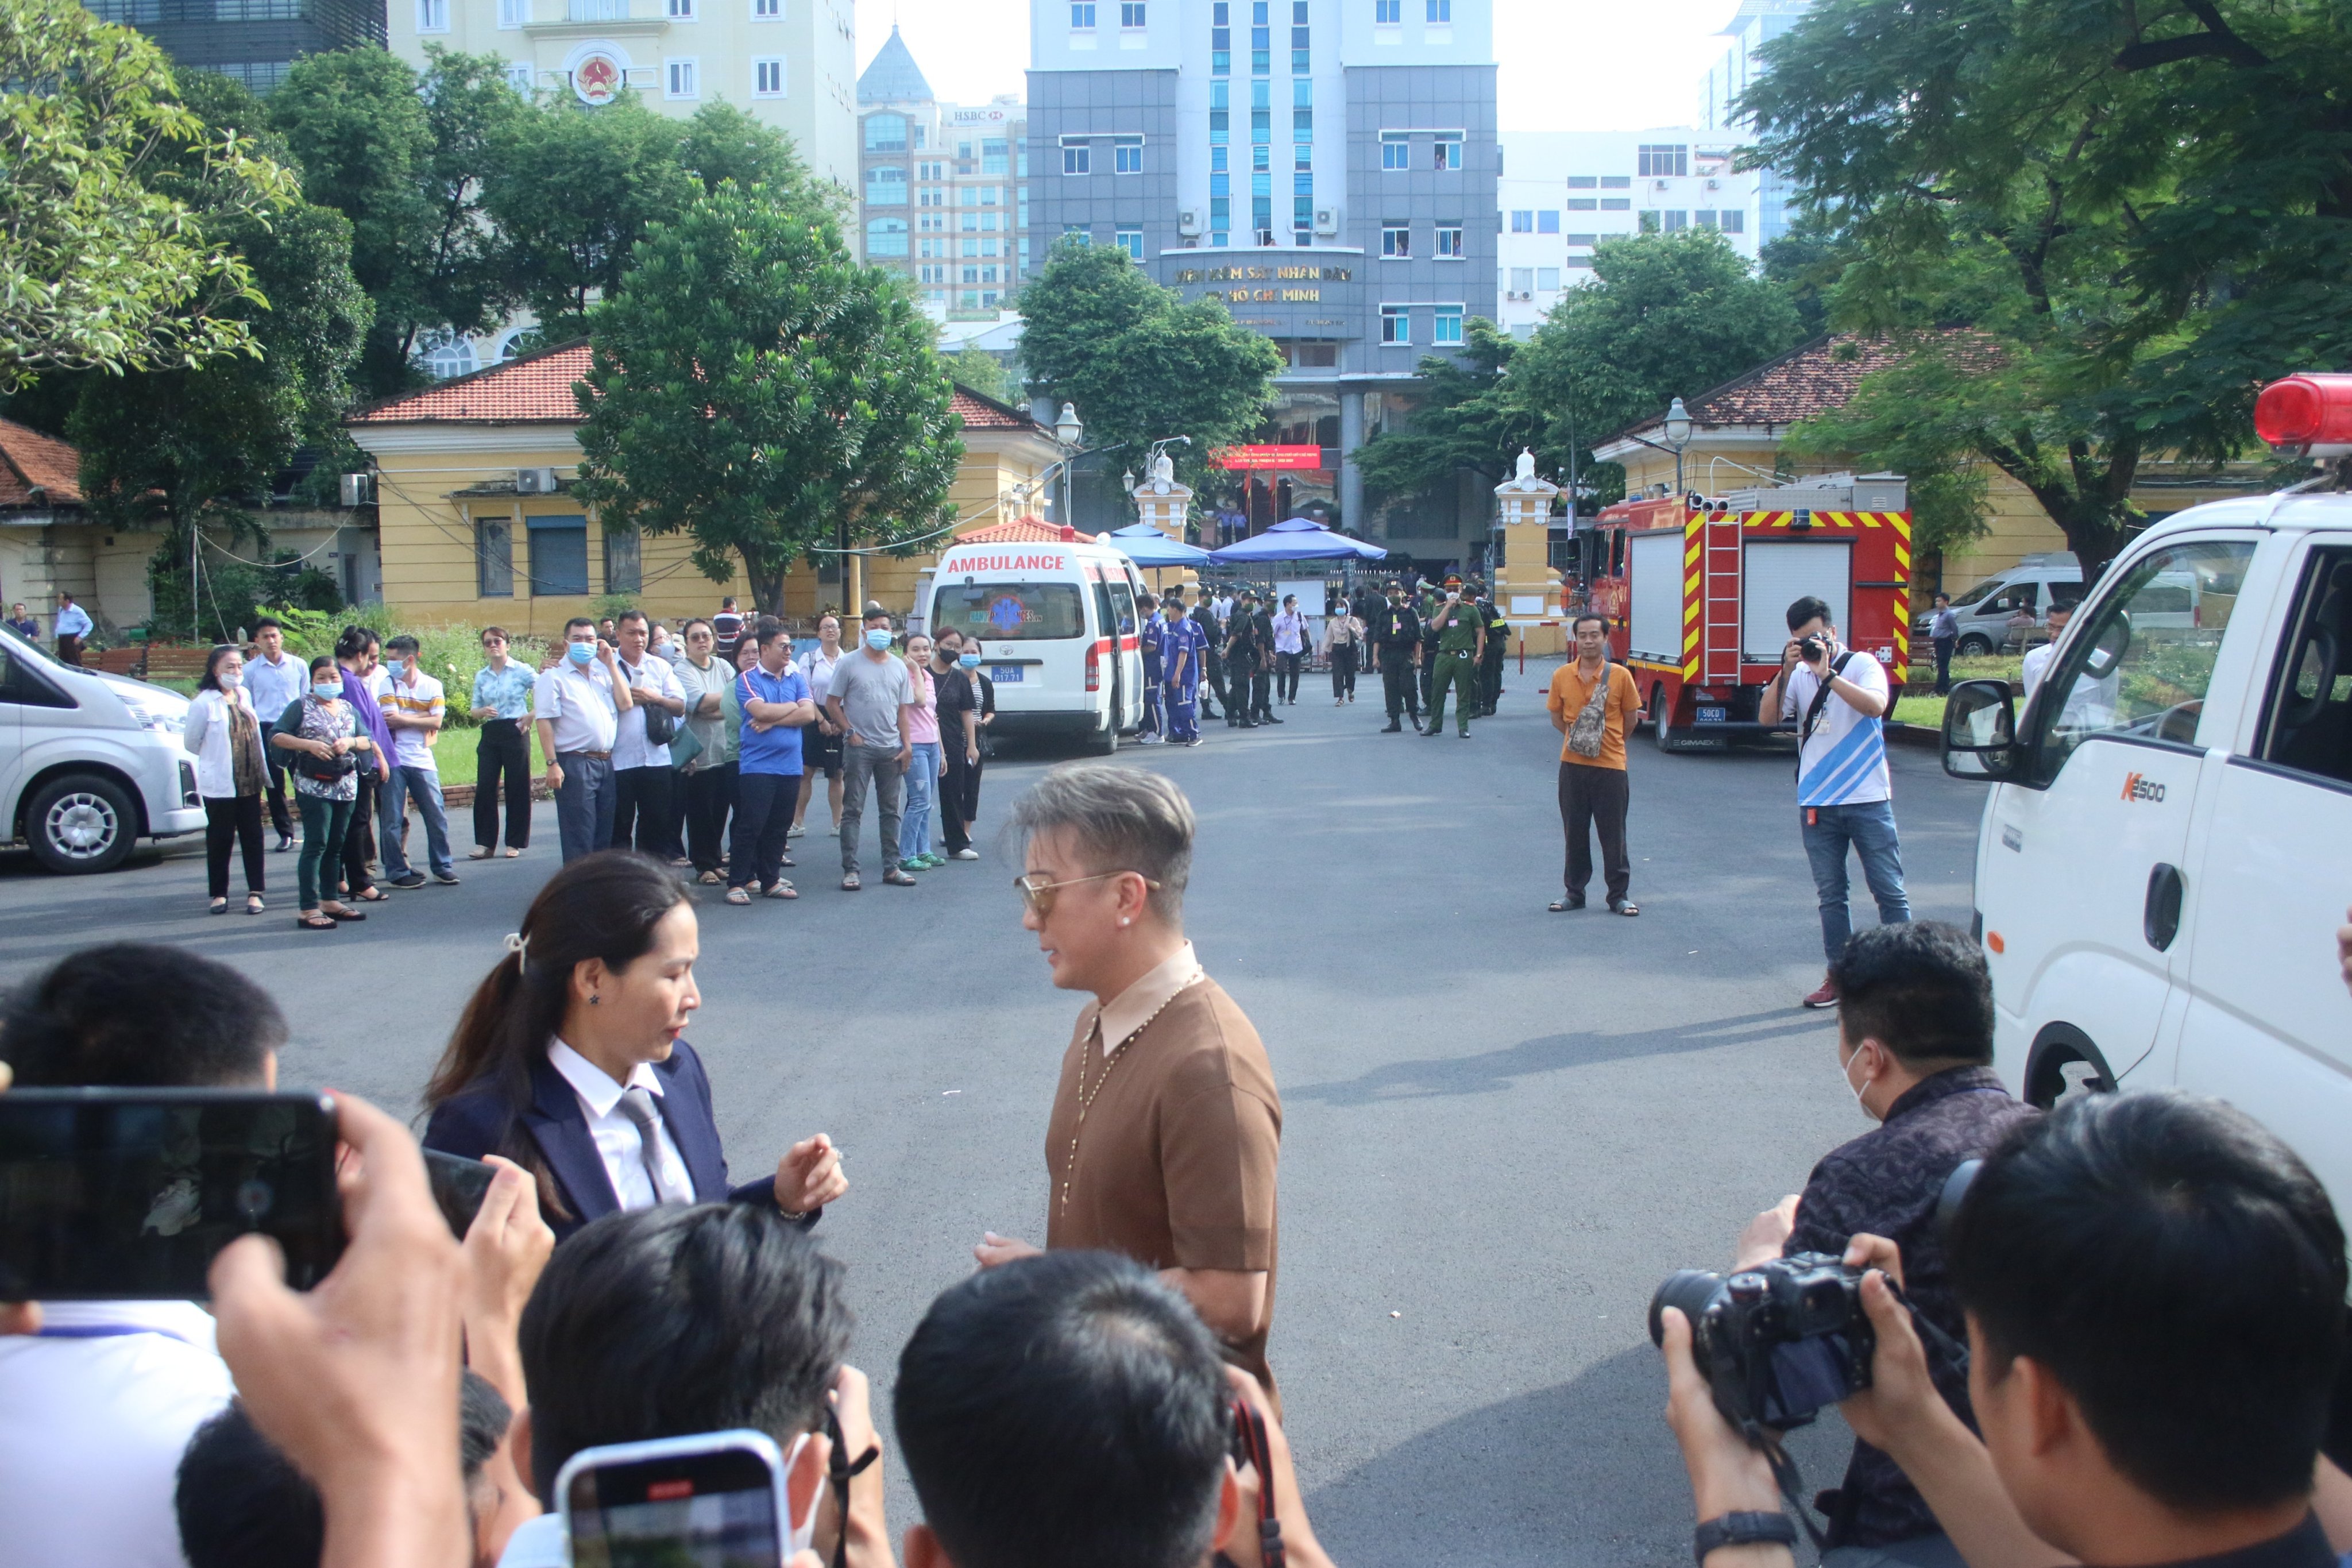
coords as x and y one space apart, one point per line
89 763
1996 613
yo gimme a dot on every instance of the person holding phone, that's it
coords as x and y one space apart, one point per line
571 1059
322 735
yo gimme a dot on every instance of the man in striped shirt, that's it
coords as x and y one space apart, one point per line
1838 698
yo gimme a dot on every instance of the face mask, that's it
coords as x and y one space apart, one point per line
231 679
327 691
579 652
878 640
969 661
1845 1071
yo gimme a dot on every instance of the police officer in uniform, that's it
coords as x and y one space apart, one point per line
1498 645
1262 683
1461 640
1431 598
1212 656
1244 653
1395 627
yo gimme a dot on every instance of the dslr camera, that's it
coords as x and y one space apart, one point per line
1814 649
1776 1342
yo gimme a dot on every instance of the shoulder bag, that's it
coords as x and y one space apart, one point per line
661 724
1592 727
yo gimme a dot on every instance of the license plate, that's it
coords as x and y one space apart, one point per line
1005 674
1710 715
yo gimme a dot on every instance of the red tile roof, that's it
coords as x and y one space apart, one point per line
36 470
533 389
1017 530
1810 379
979 413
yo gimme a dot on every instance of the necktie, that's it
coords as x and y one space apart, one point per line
637 1105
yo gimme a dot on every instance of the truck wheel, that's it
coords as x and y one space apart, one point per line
1973 645
80 823
1660 715
1105 743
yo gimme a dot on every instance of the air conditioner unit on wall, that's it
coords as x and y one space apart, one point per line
1326 220
535 481
359 489
1188 221
1662 184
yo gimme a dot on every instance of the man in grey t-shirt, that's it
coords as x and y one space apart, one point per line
868 701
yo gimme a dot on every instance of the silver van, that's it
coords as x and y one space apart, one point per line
89 763
1994 612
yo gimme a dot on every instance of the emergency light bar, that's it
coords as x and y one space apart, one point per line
2309 415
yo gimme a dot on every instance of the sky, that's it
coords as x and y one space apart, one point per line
1567 65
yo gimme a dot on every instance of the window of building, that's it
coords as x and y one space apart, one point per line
1396 241
1441 10
1582 204
1077 158
931 274
1547 280
1448 149
519 78
1448 326
1127 154
1616 204
685 81
1677 221
766 10
768 77
886 237
1129 240
971 248
993 156
1523 280
886 186
1616 181
1075 235
1579 261
1082 15
493 558
1734 221
1130 13
513 13
1396 148
444 354
1523 221
971 274
1396 324
1548 221
559 555
1302 156
1388 13
1584 239
432 15
1302 211
1662 160
681 10
1449 242
1703 219
625 561
1581 182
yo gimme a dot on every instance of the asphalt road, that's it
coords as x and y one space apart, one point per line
1502 1127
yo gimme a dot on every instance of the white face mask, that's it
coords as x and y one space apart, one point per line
1845 1071
802 1531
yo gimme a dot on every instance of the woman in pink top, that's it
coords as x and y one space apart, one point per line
923 772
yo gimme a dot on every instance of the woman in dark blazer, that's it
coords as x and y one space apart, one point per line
570 1060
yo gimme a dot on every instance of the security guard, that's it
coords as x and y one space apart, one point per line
1498 645
1461 640
1395 627
1431 599
1245 652
1212 655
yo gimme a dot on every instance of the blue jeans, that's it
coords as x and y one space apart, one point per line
915 820
424 787
1869 828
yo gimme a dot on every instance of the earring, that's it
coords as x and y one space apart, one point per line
593 998
1122 919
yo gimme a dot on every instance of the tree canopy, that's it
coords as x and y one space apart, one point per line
753 387
2142 211
101 267
1139 362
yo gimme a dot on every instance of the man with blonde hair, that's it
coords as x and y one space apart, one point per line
1166 1129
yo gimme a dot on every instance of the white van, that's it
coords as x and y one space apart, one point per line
1056 624
89 763
2168 848
1987 609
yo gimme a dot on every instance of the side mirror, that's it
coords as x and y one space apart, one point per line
1981 731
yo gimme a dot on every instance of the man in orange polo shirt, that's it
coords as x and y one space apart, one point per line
1592 791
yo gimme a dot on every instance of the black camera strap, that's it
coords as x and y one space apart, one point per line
840 1470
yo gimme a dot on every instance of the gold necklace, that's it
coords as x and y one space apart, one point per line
1086 1098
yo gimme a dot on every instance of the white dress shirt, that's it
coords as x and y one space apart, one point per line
73 620
618 1142
629 747
275 687
95 1412
578 705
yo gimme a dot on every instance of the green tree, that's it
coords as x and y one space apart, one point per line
753 387
180 446
1139 362
722 142
983 372
100 267
1469 418
572 189
403 155
2143 211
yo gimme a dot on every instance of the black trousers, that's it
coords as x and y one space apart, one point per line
1397 683
1428 671
1343 671
359 840
710 797
502 753
1590 798
958 798
232 817
1286 669
1261 702
280 818
1490 682
1214 674
763 817
641 808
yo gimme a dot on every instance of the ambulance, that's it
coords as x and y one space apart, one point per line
2166 851
1055 621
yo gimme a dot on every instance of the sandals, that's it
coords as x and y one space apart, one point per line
314 922
339 913
780 888
1625 907
710 879
850 884
738 896
514 855
253 904
1563 906
373 896
897 879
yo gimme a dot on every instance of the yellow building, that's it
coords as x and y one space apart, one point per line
1737 430
479 524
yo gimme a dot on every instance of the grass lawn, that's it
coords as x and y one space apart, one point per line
454 755
1920 706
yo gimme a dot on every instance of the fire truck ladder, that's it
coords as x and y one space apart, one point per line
1719 598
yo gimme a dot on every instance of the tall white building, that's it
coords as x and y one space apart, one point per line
1756 23
1563 192
792 63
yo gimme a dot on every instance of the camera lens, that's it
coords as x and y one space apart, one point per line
1687 1289
254 1200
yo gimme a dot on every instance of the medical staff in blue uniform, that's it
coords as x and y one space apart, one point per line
1183 647
1151 638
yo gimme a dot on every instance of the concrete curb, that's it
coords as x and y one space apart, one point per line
1918 737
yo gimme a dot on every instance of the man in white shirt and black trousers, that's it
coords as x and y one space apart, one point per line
641 770
578 703
1838 698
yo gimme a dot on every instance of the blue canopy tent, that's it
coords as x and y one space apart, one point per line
1298 539
1144 544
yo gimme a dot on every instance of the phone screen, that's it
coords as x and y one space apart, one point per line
711 1509
459 1187
130 1193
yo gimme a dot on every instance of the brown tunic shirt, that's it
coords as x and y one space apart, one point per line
1177 1149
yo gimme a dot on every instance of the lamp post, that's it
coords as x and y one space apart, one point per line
1678 436
1069 432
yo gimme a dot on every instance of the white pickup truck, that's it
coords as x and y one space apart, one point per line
89 763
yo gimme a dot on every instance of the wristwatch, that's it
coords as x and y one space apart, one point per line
1742 1529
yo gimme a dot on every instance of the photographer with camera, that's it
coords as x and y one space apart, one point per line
1915 1048
2154 1288
1839 698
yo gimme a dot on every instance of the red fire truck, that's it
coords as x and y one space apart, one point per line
1697 593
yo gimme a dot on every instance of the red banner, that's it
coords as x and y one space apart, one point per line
1264 459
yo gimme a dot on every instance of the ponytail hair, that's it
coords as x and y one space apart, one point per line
602 906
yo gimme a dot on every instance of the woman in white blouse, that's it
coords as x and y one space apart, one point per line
232 770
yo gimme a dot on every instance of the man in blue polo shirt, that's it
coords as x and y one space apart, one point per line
775 699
